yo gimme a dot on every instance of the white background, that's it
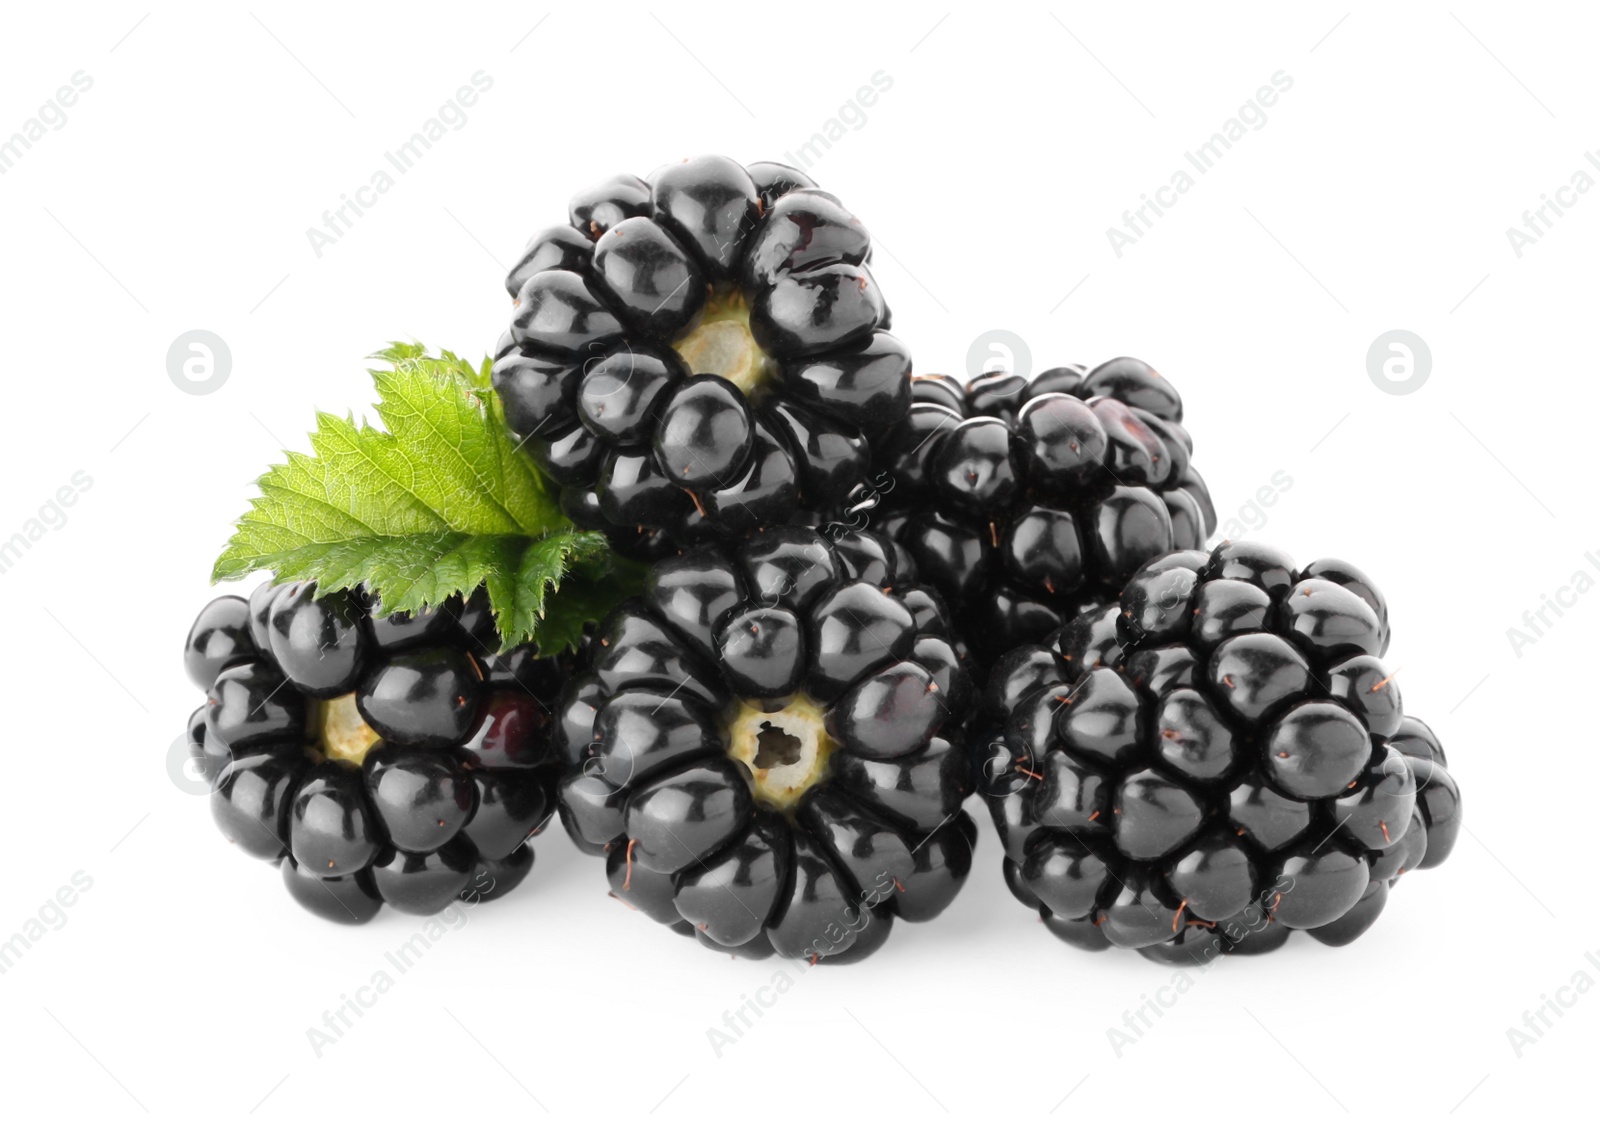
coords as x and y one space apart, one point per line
1375 197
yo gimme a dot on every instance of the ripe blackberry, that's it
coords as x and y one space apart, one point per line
700 352
762 746
1024 501
375 759
1215 761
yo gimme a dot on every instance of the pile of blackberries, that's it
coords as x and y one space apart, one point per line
869 595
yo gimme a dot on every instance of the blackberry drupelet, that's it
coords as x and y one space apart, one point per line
1025 501
1215 761
764 747
700 353
375 759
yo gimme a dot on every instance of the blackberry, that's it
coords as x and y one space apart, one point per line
374 759
700 353
762 747
1214 761
1025 501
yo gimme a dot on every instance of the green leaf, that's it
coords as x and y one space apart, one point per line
435 502
587 595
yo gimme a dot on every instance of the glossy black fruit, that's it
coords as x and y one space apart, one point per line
219 638
320 644
1025 502
399 759
701 353
767 747
422 698
1214 760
